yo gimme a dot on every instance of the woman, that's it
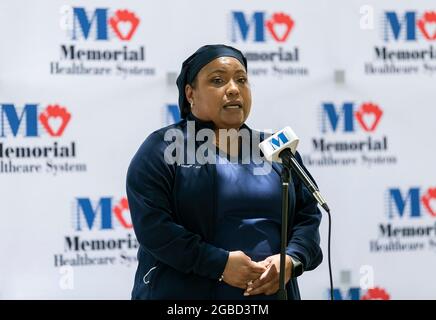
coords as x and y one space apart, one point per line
212 230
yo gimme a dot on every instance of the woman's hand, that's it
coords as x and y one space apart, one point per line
241 270
268 282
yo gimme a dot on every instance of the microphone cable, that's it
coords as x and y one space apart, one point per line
329 255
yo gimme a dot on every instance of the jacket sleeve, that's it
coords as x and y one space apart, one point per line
149 192
305 239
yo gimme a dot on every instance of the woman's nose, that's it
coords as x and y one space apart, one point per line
232 88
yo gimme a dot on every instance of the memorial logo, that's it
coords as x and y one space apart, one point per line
356 293
101 234
409 223
33 140
27 121
409 26
264 37
101 214
100 24
406 44
350 118
351 133
260 28
100 42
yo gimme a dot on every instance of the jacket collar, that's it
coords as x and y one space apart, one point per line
202 124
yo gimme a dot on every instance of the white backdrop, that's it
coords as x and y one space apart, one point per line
82 83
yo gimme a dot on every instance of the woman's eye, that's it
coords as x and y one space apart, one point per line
242 80
217 80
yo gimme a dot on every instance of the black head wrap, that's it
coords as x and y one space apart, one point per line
198 60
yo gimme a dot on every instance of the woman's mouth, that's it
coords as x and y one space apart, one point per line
233 105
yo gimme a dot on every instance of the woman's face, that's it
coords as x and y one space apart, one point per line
221 93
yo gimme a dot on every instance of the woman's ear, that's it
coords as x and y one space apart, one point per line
189 93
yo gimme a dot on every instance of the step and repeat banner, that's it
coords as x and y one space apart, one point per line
82 84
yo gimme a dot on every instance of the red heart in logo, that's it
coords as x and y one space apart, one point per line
119 209
369 116
283 21
55 119
124 23
427 199
427 25
376 294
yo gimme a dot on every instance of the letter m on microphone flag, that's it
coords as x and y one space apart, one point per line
279 141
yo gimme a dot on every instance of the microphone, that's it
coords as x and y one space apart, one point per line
281 147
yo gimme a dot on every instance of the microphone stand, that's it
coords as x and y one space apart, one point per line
289 162
282 294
